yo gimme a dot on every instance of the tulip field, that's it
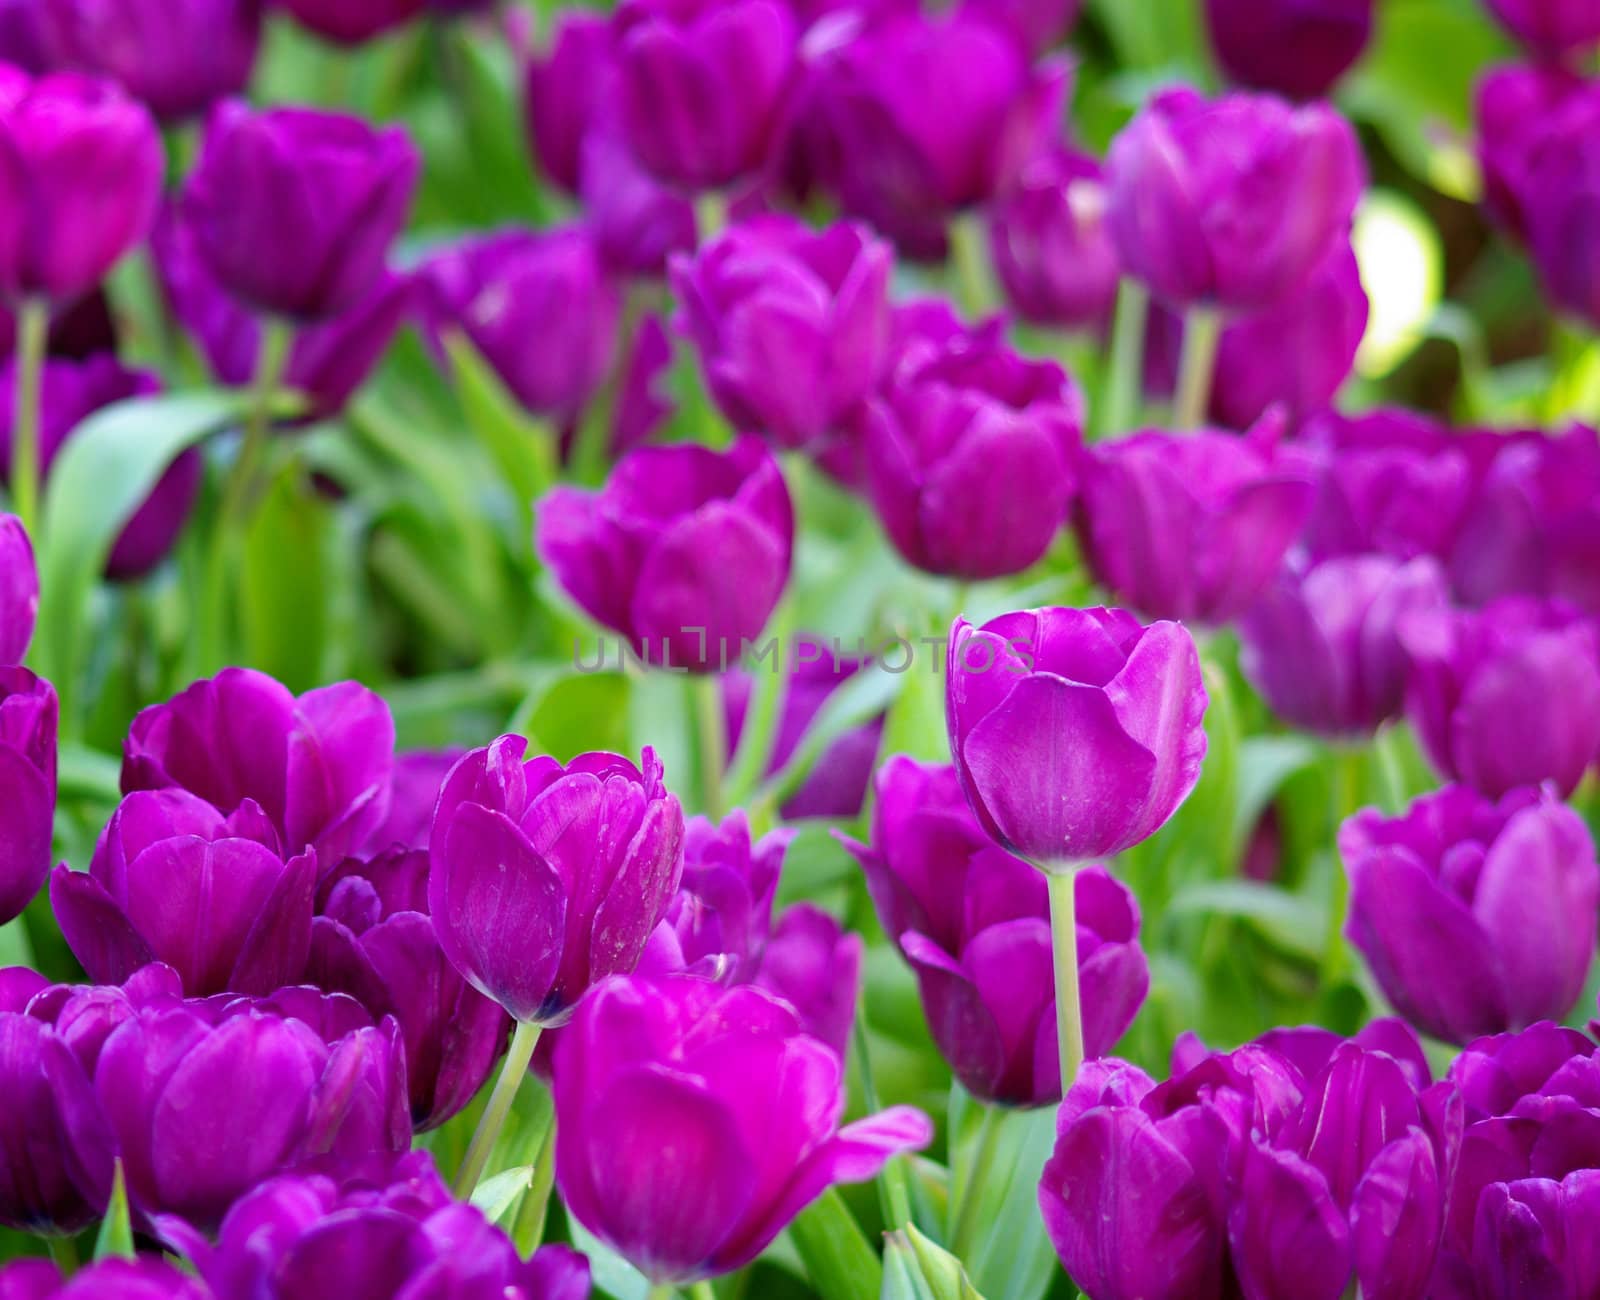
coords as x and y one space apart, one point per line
782 649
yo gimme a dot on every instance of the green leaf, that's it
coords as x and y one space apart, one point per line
15 949
105 471
495 1196
1010 1256
838 1259
862 698
116 1229
1295 923
285 581
612 1274
942 1271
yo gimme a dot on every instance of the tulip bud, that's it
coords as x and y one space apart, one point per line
1192 526
639 223
1296 48
28 722
665 1087
685 551
1506 696
294 209
1232 203
1515 108
81 187
351 22
564 91
1128 700
1564 189
1474 917
1551 28
19 591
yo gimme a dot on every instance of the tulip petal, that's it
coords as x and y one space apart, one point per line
1396 1219
1290 1240
96 929
961 1025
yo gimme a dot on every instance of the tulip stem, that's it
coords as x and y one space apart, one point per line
487 1133
1125 375
895 1198
1064 951
712 726
970 255
977 1174
710 215
33 339
701 1291
64 1250
1202 333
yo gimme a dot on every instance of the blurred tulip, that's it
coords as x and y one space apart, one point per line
1191 526
564 90
1475 918
1127 700
351 22
685 551
1299 48
695 1123
294 209
1039 25
1551 28
318 766
146 1277
19 591
418 777
1563 197
638 222
1515 109
28 722
24 39
1232 203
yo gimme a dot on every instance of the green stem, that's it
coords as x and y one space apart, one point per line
702 1291
710 215
534 1211
894 1194
767 689
1348 783
494 1114
1202 333
591 450
712 728
1124 382
978 1174
660 1291
1064 950
969 252
64 1250
33 338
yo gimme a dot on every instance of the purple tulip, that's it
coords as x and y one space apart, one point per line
373 939
173 880
1038 25
1030 688
1474 917
352 22
565 90
294 210
695 1123
1564 195
702 85
1323 643
639 223
37 1192
1298 48
24 40
974 924
177 56
145 1278
1533 1237
318 766
418 777
1551 28
28 719
1192 526
546 879
1508 695
904 160
328 360
72 391
771 288
815 965
80 186
1051 248
19 591
539 305
957 412
1517 109
685 551
1233 203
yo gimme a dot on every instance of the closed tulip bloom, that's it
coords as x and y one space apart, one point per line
19 591
564 90
695 1123
973 923
1475 917
147 1277
773 287
1551 28
1299 48
1507 695
685 551
1231 203
1516 108
702 85
1323 643
177 56
318 765
1531 1237
173 880
1029 688
352 22
418 776
1038 27
539 305
1051 248
29 717
638 222
37 1191
294 209
1191 526
81 183
1563 196
546 879
957 414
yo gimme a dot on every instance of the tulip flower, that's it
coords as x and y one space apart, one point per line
1232 203
1323 643
1191 526
669 1145
1051 248
418 776
564 92
1296 48
352 22
144 1278
1516 109
24 40
685 551
177 56
294 210
1475 917
1551 28
638 222
702 86
373 939
1038 27
1530 1237
957 411
29 716
770 288
973 923
19 591
1564 187
1506 696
